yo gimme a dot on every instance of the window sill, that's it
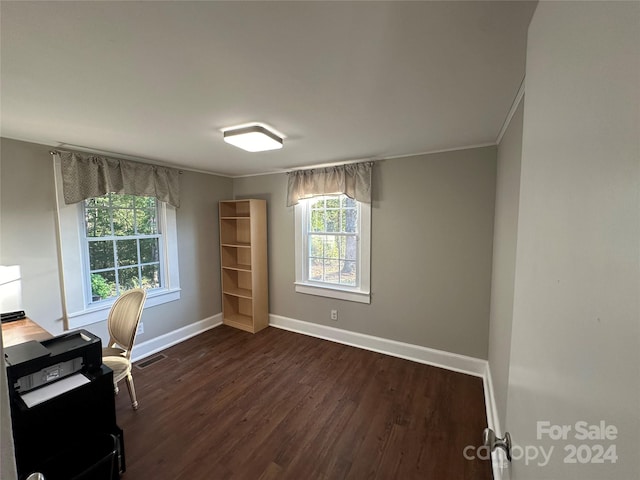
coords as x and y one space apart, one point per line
338 293
100 313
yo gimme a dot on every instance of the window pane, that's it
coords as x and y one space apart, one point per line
348 273
151 276
127 252
98 222
128 278
350 220
103 285
332 220
331 247
101 255
333 202
316 246
149 250
331 271
122 200
145 202
342 245
147 221
348 202
123 223
351 248
315 269
317 221
319 203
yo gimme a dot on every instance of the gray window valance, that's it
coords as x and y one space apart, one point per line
354 180
88 176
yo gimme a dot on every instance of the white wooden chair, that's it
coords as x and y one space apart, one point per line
123 320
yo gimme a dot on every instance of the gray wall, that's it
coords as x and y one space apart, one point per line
575 350
28 230
432 223
432 232
505 233
28 238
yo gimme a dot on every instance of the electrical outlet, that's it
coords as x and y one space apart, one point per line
140 328
334 314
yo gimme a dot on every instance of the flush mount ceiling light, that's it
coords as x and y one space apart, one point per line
253 137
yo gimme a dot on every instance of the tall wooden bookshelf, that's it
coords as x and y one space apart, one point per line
243 260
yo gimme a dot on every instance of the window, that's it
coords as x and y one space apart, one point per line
122 245
332 247
113 243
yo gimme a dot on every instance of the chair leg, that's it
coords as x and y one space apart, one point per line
132 392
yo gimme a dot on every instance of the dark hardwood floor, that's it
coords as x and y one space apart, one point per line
229 404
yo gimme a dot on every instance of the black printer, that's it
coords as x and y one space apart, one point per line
34 364
63 409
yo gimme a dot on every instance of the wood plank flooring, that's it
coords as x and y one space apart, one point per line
279 405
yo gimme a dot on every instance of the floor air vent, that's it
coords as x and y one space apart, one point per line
151 360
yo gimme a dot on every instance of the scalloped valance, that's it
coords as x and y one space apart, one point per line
352 179
88 176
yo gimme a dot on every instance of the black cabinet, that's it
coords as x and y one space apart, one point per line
76 429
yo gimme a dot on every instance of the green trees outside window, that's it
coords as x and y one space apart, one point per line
123 243
332 238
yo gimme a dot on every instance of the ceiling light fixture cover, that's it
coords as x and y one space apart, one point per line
253 138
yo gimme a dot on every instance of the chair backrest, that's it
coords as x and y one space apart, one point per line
124 317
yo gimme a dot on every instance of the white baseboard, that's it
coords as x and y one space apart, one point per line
437 358
499 462
157 344
493 420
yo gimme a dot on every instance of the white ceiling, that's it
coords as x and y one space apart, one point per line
342 80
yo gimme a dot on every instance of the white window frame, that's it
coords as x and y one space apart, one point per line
76 291
360 293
